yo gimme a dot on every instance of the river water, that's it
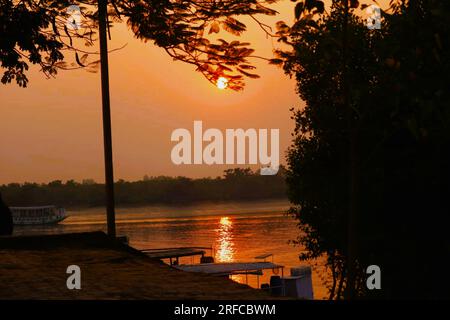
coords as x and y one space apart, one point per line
235 232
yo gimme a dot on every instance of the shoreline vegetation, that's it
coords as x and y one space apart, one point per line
236 184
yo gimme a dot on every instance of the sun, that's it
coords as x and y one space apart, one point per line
222 83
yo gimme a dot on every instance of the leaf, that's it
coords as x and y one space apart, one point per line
250 75
247 67
354 4
60 64
215 27
234 26
222 67
77 59
298 10
68 34
55 29
276 61
320 6
84 58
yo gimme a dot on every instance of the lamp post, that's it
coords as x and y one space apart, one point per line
107 137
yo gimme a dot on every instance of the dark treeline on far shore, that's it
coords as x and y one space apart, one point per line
235 184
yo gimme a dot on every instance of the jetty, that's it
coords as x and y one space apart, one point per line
230 268
173 254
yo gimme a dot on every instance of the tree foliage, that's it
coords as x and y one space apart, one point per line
236 185
184 29
398 106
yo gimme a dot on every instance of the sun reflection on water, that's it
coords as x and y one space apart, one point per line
225 252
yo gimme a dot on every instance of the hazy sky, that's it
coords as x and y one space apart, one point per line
53 129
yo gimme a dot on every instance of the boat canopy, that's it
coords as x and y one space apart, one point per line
228 268
166 253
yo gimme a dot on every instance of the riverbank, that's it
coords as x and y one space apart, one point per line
236 184
34 267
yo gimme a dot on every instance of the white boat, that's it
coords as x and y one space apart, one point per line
37 215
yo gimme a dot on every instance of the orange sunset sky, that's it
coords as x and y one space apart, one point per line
53 128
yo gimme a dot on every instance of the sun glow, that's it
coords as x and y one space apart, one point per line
222 83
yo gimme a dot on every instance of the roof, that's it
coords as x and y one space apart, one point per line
228 268
35 268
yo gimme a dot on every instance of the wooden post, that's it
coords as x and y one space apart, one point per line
107 139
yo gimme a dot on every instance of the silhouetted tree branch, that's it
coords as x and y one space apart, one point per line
185 29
